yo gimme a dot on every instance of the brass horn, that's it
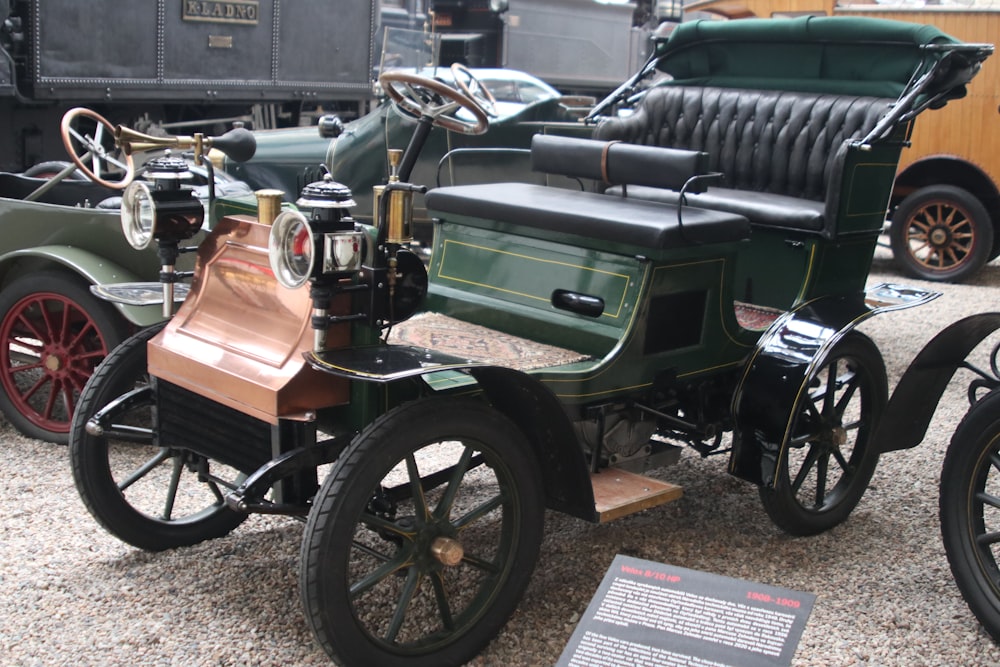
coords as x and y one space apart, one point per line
131 141
239 143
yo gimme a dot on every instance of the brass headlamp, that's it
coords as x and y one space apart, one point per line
321 230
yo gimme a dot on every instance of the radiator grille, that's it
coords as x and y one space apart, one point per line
191 421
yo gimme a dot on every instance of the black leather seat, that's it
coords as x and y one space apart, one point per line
781 153
590 215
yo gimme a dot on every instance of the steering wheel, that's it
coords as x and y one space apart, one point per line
419 96
97 149
474 88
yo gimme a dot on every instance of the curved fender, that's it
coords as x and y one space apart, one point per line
537 412
915 398
519 396
786 356
94 269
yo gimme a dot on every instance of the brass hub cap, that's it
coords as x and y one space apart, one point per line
448 551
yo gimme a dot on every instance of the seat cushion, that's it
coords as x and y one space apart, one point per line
642 223
760 208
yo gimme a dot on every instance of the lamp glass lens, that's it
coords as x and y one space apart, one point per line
138 215
291 249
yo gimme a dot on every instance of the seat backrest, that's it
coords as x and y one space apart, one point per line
763 140
618 163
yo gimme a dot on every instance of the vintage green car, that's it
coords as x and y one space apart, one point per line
560 344
62 234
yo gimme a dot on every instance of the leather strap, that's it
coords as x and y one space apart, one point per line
604 160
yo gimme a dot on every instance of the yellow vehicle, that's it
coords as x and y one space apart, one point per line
945 206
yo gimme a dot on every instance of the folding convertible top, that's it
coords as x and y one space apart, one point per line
836 54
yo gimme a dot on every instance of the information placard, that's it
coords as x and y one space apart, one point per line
657 615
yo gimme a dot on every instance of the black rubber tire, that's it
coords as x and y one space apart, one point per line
54 333
356 629
97 470
811 500
971 470
941 233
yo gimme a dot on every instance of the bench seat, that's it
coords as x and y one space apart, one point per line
781 154
645 224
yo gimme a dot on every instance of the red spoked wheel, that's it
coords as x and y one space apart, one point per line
54 335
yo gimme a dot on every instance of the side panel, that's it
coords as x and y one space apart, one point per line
665 316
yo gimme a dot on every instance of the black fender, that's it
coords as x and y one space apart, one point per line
908 414
786 356
538 413
519 396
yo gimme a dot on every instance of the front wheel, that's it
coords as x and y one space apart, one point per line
829 459
969 505
941 233
55 333
151 497
423 537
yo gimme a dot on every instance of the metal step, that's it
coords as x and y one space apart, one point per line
618 493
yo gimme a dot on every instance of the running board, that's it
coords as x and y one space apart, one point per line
618 493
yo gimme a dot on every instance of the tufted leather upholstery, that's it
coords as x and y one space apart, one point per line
789 144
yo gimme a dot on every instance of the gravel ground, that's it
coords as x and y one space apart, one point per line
73 595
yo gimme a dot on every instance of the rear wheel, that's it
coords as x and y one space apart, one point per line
829 459
151 497
970 510
423 537
54 333
941 233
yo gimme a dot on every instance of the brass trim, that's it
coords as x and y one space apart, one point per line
268 205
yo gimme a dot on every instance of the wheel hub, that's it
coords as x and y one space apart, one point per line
832 436
434 542
447 551
939 237
58 360
53 363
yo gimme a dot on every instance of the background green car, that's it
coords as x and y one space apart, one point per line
62 233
